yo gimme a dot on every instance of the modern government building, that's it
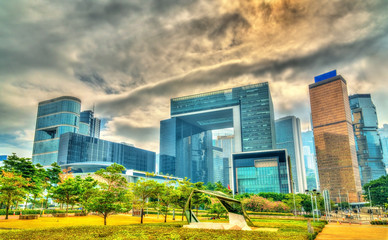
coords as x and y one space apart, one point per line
186 141
70 137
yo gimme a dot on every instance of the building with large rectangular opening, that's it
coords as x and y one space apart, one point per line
186 141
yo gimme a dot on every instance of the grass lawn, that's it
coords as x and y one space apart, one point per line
127 227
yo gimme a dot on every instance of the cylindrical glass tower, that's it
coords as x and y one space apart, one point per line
55 117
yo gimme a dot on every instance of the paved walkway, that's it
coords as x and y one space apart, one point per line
358 232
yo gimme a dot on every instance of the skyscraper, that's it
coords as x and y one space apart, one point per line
334 137
93 124
310 160
55 117
368 144
384 143
186 139
288 136
226 143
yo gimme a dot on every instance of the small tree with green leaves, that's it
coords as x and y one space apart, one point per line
12 188
142 190
217 208
88 188
67 192
182 194
111 197
165 196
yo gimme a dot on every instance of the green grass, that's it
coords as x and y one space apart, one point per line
288 229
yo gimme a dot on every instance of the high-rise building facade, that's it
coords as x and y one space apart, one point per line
55 117
334 137
288 136
368 144
384 144
87 154
92 124
186 139
218 166
226 143
310 160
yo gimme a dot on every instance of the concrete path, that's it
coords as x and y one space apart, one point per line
359 232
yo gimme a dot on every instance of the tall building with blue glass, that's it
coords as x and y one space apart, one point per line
384 143
89 124
87 154
368 143
310 160
55 117
288 136
186 138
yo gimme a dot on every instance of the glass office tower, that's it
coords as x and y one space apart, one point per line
186 139
368 144
87 154
310 160
55 117
334 137
288 136
384 143
90 125
226 143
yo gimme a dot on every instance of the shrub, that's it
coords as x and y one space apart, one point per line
36 211
260 204
379 222
270 213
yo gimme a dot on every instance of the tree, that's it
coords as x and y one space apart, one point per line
67 192
218 209
142 190
86 191
378 191
26 169
111 196
51 179
289 201
12 188
165 196
40 183
182 194
199 199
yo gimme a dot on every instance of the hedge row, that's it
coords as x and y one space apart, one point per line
270 213
379 222
31 211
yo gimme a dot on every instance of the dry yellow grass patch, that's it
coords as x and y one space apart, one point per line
48 222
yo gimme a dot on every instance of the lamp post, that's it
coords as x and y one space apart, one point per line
370 201
316 205
293 195
312 203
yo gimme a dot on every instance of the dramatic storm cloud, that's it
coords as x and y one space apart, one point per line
128 58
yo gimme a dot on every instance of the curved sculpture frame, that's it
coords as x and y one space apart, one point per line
230 204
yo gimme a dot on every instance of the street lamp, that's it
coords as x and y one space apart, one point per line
293 189
312 202
370 201
316 193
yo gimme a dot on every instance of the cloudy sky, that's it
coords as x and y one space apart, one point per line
130 57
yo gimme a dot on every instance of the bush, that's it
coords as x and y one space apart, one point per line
270 213
35 211
379 222
260 204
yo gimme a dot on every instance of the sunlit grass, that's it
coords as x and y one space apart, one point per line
128 227
48 222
